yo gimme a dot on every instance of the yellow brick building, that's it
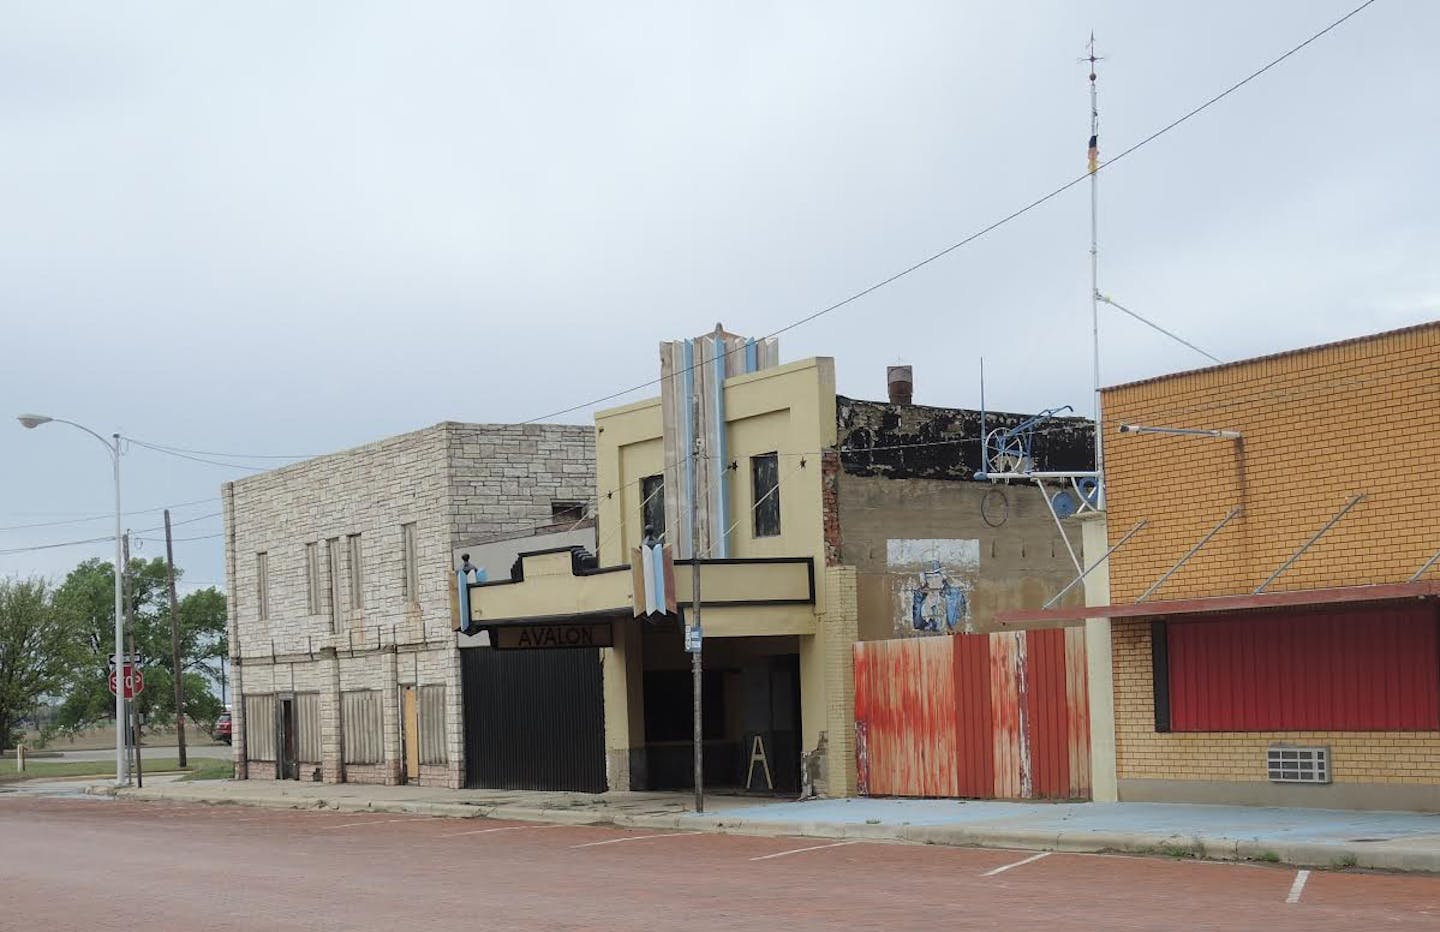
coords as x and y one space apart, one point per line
1222 671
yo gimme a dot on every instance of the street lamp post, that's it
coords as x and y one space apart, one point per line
112 446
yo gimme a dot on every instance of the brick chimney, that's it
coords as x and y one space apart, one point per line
901 384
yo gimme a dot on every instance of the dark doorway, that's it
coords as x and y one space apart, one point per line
288 764
534 719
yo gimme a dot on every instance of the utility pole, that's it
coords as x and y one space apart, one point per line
693 640
132 716
175 645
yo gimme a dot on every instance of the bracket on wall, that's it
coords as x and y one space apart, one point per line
1234 513
1435 558
1103 557
1311 542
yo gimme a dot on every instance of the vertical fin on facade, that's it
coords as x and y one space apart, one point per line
693 370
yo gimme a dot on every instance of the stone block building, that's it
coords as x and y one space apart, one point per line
339 577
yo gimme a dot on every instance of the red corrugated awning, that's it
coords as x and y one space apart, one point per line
1388 592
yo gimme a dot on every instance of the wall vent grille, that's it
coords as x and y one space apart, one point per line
1286 764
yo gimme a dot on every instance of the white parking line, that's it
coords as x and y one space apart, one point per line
379 822
1032 858
508 828
1298 887
781 854
616 841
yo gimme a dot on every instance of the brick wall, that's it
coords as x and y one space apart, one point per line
1319 426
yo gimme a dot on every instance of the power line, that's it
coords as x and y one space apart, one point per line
1014 215
164 448
68 543
107 517
196 459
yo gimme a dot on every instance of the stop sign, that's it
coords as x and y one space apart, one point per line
134 681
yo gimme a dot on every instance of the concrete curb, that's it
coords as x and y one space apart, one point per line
1391 856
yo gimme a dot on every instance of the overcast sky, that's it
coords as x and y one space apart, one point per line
280 228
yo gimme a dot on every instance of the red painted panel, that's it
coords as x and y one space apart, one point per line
1350 669
974 748
1045 701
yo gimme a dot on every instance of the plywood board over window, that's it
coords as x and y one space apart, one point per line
260 728
361 723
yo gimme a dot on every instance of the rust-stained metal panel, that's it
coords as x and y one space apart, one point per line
1077 710
975 751
989 716
1046 699
1007 712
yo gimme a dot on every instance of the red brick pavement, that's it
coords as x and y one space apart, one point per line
104 864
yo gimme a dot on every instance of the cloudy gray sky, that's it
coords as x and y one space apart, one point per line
278 228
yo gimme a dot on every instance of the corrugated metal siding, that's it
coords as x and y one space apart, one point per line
1370 669
307 727
432 725
260 728
990 716
360 715
534 719
975 751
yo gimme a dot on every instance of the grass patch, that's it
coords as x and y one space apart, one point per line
201 768
1269 857
1346 862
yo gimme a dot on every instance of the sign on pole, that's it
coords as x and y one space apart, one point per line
134 681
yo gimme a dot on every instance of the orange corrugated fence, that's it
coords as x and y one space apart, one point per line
990 716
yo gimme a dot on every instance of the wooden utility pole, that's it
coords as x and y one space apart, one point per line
693 641
175 645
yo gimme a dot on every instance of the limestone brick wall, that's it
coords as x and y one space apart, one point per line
452 481
838 633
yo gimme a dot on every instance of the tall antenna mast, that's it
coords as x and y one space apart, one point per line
1094 156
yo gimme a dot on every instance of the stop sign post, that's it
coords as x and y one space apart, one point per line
134 681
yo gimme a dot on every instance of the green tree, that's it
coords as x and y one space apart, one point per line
35 650
88 596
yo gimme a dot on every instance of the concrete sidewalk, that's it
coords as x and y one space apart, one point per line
1404 841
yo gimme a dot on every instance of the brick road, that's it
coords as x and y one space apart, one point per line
103 864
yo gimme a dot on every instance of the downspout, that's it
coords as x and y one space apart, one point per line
721 519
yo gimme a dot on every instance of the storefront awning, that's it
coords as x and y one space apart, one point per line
1224 604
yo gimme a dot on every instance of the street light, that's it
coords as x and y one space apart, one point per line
112 446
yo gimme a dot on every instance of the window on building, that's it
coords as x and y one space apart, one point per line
312 578
652 506
410 579
765 489
332 560
262 584
1347 669
562 512
357 580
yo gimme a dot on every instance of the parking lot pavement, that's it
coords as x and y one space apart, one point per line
186 865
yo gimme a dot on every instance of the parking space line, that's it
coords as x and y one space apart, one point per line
616 841
1006 867
781 854
378 822
1298 887
507 828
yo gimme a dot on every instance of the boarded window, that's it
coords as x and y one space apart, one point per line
357 579
262 584
567 512
360 714
432 725
307 727
260 728
332 561
1374 669
765 487
312 578
652 506
410 571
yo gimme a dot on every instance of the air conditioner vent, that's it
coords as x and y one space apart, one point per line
1286 764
